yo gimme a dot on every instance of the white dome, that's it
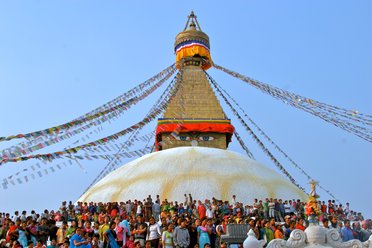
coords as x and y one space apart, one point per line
203 172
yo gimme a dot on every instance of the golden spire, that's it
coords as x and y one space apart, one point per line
194 116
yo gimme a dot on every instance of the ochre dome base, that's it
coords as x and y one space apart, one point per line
203 172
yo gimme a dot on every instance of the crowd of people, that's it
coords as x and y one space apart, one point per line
156 223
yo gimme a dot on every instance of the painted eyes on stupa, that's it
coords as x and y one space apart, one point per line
206 138
180 137
187 138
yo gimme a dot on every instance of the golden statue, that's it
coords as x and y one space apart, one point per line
312 207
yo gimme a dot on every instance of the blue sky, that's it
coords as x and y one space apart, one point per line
60 59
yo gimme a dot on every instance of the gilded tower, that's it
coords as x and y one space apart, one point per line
194 116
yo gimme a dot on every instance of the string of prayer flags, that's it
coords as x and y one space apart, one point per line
20 178
162 104
93 121
106 108
349 120
169 92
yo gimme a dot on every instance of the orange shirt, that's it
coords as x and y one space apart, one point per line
301 227
114 213
330 208
324 208
278 234
84 217
202 211
11 229
163 214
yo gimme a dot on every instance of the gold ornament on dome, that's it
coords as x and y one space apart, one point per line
312 207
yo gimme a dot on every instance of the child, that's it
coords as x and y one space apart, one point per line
129 243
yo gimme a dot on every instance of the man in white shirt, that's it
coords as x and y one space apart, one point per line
23 216
233 202
210 212
16 216
156 210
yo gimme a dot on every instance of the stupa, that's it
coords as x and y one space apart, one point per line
192 140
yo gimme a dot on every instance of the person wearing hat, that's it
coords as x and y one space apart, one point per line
287 219
2 243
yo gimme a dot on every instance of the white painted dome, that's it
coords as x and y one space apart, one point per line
203 172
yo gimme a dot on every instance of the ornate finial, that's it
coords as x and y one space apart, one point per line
192 17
